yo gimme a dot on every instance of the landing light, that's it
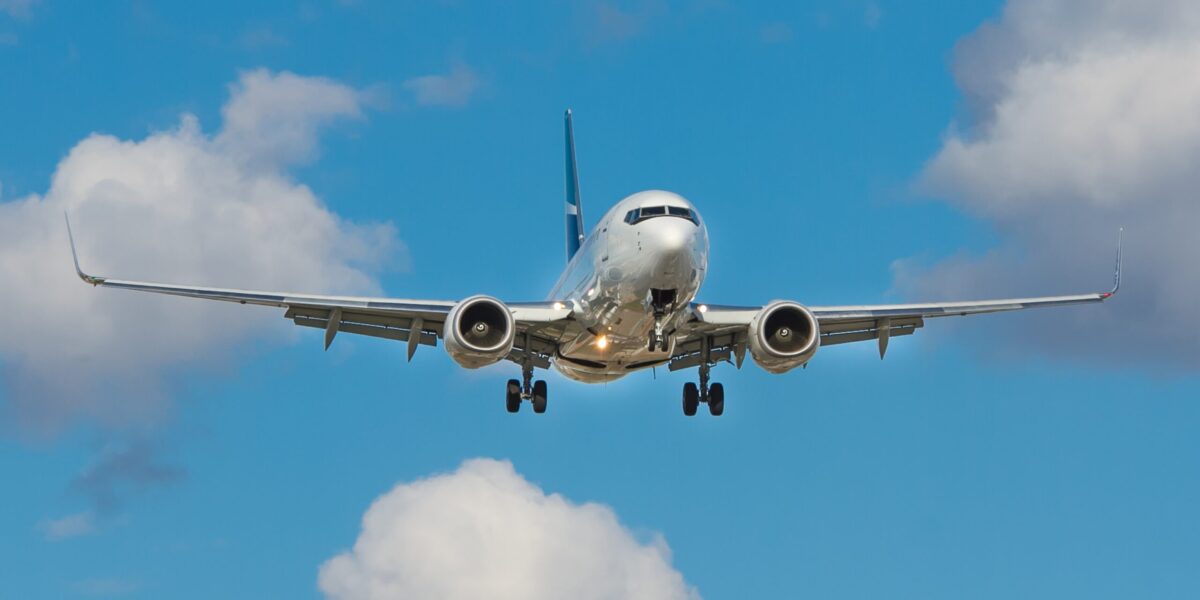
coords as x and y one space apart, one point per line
558 306
703 308
602 342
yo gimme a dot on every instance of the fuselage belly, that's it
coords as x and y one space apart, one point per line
636 274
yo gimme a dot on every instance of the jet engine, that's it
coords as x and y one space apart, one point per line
479 331
783 336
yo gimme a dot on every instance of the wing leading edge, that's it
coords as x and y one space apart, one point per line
845 324
417 322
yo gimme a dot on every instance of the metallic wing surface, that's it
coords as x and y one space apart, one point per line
727 325
416 322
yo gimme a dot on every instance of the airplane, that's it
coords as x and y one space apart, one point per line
626 302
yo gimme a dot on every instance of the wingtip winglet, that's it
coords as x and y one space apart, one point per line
75 255
1117 270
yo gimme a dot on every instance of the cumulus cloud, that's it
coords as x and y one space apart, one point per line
1083 119
451 89
181 206
485 532
271 119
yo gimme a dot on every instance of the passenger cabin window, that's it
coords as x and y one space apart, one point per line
638 215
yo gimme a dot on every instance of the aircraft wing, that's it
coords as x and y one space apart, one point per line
417 322
723 329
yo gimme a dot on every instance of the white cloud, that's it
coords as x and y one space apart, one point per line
452 89
180 206
271 119
1084 120
485 532
73 525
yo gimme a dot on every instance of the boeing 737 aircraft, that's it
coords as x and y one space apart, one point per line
626 302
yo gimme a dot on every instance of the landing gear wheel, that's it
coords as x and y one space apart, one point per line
691 399
653 341
716 400
539 396
512 396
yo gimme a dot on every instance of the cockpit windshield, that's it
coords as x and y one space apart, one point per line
638 215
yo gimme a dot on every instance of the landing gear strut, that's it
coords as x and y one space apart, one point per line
657 339
661 302
525 389
713 395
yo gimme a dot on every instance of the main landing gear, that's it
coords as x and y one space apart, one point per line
712 395
526 389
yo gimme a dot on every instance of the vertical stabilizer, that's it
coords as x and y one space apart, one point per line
574 208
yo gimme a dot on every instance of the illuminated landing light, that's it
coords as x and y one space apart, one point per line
703 308
602 342
559 306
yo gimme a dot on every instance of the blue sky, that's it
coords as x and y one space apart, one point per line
958 467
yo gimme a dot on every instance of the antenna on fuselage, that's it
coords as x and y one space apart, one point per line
574 206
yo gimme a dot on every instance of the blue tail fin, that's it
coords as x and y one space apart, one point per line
574 207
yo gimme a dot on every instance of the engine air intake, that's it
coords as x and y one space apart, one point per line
479 331
783 335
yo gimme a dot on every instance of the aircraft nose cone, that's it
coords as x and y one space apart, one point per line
672 244
675 239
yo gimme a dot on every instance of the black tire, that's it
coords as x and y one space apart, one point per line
691 399
512 396
716 399
539 396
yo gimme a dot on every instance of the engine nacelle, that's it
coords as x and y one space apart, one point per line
479 331
783 336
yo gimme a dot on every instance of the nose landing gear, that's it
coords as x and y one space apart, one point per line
658 341
662 302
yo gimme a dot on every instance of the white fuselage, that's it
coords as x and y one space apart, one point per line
634 268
